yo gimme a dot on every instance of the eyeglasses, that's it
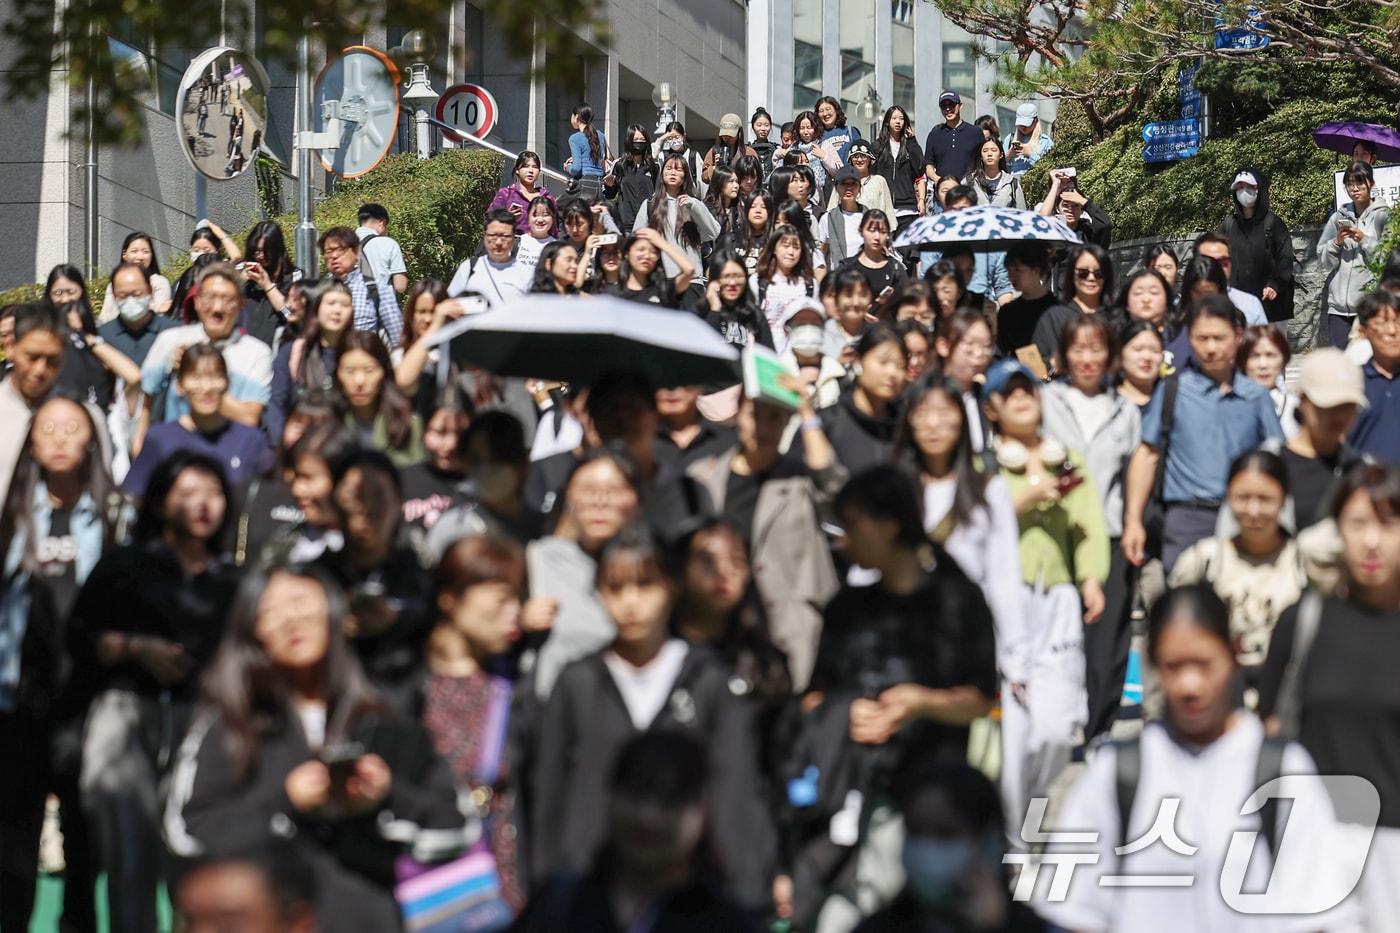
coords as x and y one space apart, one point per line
331 252
1085 275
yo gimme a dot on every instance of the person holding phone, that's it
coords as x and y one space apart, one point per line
1028 143
1347 246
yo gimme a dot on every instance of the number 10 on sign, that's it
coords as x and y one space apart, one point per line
469 109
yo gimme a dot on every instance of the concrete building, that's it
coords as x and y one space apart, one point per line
905 51
698 45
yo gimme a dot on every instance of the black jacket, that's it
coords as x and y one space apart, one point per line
902 173
631 188
211 811
1261 251
585 724
763 148
582 905
859 440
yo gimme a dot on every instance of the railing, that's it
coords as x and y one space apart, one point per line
499 150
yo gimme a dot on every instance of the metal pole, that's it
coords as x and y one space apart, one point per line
90 178
201 197
306 160
420 120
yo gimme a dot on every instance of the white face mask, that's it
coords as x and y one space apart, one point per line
1247 198
806 339
134 308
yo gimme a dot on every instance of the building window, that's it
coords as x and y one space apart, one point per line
806 54
902 55
959 61
857 53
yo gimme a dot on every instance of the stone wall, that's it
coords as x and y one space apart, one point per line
1310 281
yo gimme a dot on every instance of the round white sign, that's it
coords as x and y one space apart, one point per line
469 109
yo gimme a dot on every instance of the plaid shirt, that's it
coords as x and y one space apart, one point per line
386 318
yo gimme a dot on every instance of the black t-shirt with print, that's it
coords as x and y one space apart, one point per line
57 555
427 493
1311 481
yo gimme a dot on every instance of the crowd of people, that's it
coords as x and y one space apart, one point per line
297 612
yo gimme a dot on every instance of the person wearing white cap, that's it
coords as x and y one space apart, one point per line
1332 392
1261 247
728 148
804 325
1027 142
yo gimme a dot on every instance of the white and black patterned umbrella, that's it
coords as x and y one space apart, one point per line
985 230
576 340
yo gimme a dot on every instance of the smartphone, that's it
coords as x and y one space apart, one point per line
1068 479
339 758
607 239
1070 172
1345 223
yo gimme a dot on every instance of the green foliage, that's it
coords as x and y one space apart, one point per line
22 294
269 178
436 207
1191 195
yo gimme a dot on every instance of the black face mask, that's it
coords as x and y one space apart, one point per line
639 148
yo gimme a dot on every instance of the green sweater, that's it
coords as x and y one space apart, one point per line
1065 541
406 456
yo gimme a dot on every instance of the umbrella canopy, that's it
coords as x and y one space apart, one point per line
985 230
578 339
1343 137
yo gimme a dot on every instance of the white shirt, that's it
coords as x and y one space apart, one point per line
645 689
528 255
1212 784
781 292
1249 306
383 253
496 282
1090 412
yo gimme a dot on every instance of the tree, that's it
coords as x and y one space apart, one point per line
75 37
1110 55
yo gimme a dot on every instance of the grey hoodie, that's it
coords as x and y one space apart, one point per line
1106 453
1351 279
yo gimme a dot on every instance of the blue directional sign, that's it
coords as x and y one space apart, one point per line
1170 151
1172 131
1250 36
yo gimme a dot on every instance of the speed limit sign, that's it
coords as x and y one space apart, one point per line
469 109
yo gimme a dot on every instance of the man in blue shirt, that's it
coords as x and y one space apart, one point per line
983 273
1218 413
1377 430
951 146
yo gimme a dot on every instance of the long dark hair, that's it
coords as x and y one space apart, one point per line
782 177
268 235
151 520
1197 604
72 273
768 259
435 290
544 281
742 236
883 156
253 698
1195 271
311 372
522 160
689 233
970 493
1067 289
840 119
584 114
714 199
642 161
154 267
393 407
658 281
18 515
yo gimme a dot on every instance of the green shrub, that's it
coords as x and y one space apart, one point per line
436 207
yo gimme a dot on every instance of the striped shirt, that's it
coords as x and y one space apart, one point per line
387 319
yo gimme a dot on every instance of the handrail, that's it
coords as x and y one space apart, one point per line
500 150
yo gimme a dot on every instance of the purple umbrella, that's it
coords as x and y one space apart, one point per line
1342 137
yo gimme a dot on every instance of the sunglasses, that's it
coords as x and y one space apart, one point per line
1085 274
946 107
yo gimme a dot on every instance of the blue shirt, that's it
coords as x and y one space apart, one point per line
136 344
840 137
1210 429
241 451
583 156
1377 430
989 276
951 151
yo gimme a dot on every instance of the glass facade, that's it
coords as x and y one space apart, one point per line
959 61
806 54
902 55
857 53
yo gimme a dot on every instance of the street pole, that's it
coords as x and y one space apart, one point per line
90 212
306 160
420 95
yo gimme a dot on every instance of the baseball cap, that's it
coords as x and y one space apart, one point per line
860 147
949 97
847 174
1245 178
1002 372
1328 379
803 304
730 124
1026 114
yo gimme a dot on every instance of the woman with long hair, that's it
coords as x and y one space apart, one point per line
762 125
645 278
728 149
588 155
731 307
836 134
994 185
797 184
145 626
812 150
375 408
1140 364
56 524
140 249
874 260
438 483
681 218
862 424
90 366
784 274
1086 414
967 509
752 223
556 271
750 173
521 193
1086 287
900 161
269 273
949 289
240 451
1162 259
601 268
291 731
307 363
722 199
426 309
965 349
633 177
